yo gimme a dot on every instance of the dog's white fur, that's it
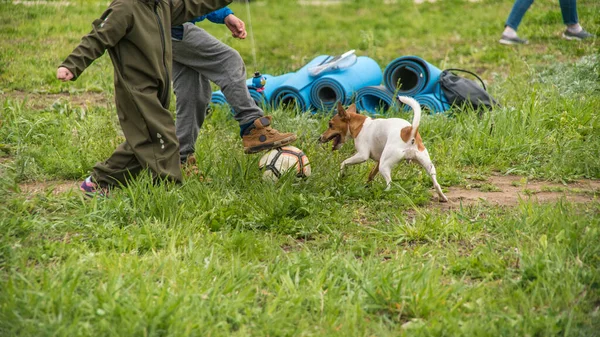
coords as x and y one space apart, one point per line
380 139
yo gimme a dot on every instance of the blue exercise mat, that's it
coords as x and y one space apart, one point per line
341 85
272 83
431 103
261 99
275 82
375 100
258 97
416 76
218 98
296 89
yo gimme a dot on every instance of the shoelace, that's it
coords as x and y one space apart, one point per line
270 130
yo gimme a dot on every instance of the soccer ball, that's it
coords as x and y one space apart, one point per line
278 162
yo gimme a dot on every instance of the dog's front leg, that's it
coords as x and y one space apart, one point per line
355 159
361 155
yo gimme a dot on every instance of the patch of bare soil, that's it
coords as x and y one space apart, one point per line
42 3
509 190
52 186
39 101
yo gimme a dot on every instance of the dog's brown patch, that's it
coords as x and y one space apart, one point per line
338 128
405 133
343 122
419 140
356 124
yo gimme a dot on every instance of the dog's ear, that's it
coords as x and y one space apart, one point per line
341 112
352 109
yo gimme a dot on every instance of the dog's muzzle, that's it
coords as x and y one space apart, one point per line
337 141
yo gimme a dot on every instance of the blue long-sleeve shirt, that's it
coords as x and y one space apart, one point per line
217 16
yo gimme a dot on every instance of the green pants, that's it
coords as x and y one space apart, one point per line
150 143
137 36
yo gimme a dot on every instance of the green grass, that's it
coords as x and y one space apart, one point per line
326 256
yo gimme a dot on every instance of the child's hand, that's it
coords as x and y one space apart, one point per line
236 26
64 74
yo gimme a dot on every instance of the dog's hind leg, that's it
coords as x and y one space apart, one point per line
425 161
389 159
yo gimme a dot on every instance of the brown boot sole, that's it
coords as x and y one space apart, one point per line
269 146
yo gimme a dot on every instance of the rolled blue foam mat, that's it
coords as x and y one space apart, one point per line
341 84
258 97
273 82
295 91
413 74
375 100
430 104
218 98
261 99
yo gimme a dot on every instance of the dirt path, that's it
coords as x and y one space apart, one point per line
496 191
509 190
52 186
40 101
41 3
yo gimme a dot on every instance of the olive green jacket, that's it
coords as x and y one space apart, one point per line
137 35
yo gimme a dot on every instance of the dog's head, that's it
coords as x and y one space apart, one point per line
341 126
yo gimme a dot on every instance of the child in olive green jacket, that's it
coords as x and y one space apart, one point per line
137 35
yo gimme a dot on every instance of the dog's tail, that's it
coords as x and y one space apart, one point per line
417 113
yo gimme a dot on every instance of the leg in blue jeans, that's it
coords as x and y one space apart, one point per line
517 13
568 9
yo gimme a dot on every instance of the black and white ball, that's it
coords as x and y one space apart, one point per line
280 161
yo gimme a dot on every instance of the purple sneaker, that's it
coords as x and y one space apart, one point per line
91 189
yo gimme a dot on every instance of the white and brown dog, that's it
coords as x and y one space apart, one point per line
386 141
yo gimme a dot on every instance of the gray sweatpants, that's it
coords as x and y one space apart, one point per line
198 58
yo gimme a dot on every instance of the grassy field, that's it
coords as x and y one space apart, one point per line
325 256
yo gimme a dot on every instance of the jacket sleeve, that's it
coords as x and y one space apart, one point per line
219 15
111 27
184 10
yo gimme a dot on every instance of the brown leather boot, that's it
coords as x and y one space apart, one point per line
190 169
261 136
190 166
